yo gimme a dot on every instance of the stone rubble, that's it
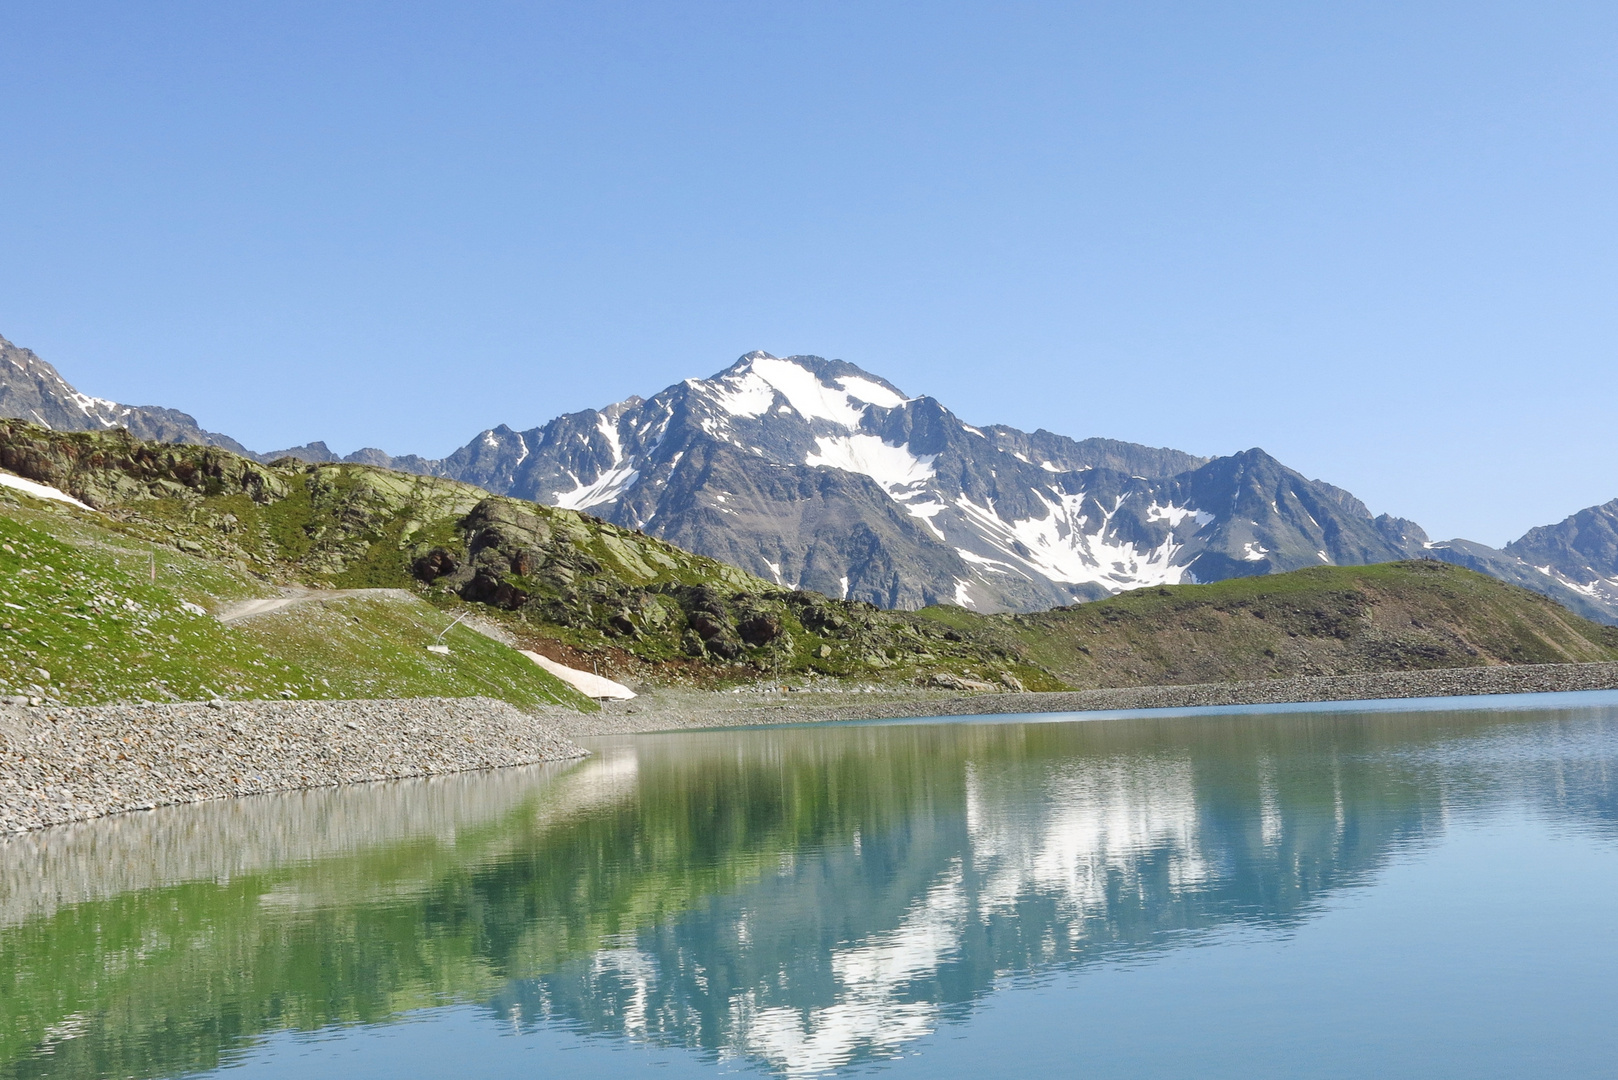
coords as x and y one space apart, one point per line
61 764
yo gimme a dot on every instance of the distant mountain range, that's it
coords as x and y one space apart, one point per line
817 474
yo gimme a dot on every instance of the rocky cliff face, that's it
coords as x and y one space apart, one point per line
1578 554
1510 568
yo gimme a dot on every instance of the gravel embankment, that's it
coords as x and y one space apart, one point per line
60 764
665 711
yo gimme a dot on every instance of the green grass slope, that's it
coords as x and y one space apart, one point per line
573 586
1324 621
90 615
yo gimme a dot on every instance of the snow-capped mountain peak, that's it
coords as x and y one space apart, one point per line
816 391
53 394
816 473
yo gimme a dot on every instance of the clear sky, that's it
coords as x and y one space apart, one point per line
1376 239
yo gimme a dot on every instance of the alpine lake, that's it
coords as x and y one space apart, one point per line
1403 889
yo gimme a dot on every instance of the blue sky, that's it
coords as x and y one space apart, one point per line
1377 240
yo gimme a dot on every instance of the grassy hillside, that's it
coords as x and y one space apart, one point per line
91 615
564 583
1328 620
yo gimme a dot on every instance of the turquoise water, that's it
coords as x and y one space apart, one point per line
1325 892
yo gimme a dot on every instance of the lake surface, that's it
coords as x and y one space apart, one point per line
1319 892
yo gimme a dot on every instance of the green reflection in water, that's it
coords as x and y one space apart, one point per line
798 897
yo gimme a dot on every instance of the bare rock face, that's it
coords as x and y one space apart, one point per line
1581 550
759 629
435 564
568 569
944 681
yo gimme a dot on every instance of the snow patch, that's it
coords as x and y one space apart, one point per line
40 491
1323 556
585 682
872 393
812 399
993 566
927 511
894 467
1057 546
609 431
1253 551
104 412
747 395
1176 514
844 581
1604 589
607 487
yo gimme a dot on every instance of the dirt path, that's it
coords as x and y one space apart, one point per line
294 594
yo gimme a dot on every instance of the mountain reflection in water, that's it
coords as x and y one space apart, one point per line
789 899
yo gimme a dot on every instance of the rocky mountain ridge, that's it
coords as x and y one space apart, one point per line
33 390
814 473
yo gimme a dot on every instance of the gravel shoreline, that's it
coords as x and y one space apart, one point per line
60 764
672 711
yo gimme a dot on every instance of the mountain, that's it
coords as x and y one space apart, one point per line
31 389
318 453
816 474
215 527
813 473
1575 561
560 582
